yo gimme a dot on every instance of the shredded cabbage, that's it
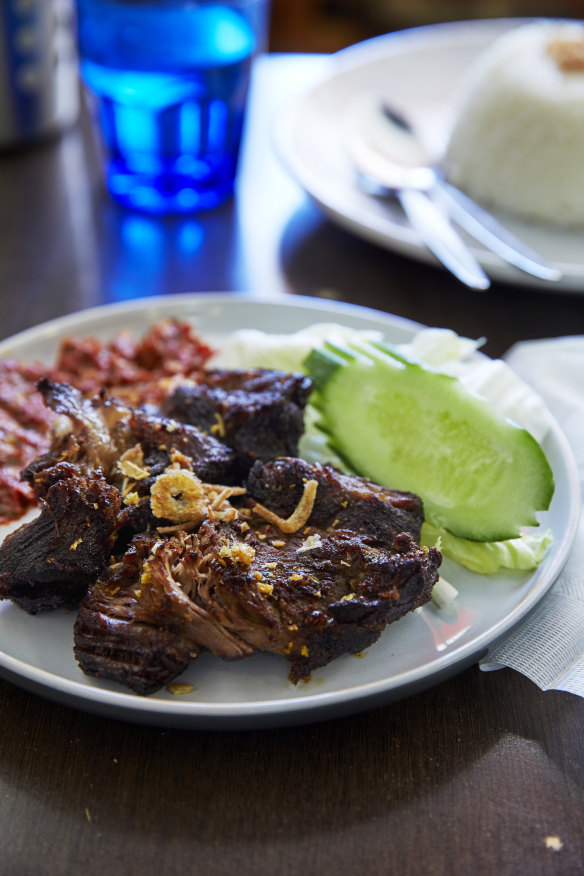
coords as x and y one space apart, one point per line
522 554
251 348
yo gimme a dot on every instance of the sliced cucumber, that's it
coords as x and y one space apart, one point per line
409 427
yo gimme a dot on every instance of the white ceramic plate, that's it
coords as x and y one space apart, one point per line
416 652
418 71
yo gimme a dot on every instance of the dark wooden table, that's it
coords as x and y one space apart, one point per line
481 774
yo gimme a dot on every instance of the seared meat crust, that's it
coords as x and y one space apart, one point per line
136 625
84 473
259 413
103 430
162 440
310 597
49 562
210 459
96 437
235 590
345 501
137 635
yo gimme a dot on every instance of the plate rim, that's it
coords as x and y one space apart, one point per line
403 239
86 693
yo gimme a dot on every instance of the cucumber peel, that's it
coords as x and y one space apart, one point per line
409 427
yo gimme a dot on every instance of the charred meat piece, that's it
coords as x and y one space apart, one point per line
91 435
235 590
343 501
130 448
209 458
44 472
137 625
259 413
310 597
163 442
49 562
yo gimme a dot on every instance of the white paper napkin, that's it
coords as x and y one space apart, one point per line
548 646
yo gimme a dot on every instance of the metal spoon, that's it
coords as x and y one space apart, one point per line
410 187
413 171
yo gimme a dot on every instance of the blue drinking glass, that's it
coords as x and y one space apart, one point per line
167 83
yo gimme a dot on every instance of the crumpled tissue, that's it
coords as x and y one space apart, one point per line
548 645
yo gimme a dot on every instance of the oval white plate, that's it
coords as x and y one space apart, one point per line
418 71
418 651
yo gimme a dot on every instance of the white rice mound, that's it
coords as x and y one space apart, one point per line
517 142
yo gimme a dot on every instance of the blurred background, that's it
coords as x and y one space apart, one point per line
329 25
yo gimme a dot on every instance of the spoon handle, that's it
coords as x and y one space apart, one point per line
440 237
487 230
